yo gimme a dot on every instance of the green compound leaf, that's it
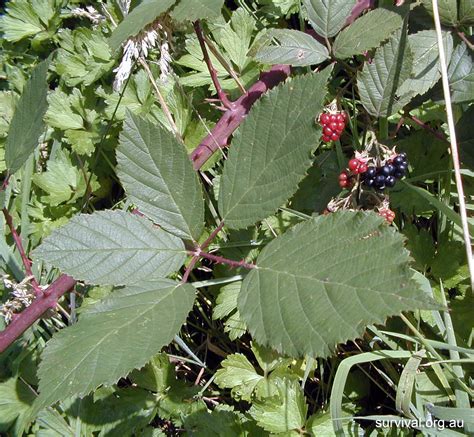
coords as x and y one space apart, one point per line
366 33
380 79
145 13
119 334
327 17
287 46
271 151
192 10
158 177
328 278
112 247
27 122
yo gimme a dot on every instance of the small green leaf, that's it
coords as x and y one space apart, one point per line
63 111
328 277
142 15
321 424
62 181
20 21
27 122
271 150
192 10
380 79
112 247
327 17
238 374
366 33
222 421
226 301
175 399
158 177
117 335
287 46
137 97
438 204
226 308
236 37
284 413
84 56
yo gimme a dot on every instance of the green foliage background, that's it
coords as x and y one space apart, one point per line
342 317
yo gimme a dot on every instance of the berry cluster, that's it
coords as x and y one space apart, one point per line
356 166
344 180
333 124
386 175
387 214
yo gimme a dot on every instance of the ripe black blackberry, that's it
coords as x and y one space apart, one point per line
400 163
386 175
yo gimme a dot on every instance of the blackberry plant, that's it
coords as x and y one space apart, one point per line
236 218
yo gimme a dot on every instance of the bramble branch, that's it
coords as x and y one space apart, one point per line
38 307
233 117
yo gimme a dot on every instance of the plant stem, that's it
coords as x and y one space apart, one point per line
213 235
224 63
26 262
464 38
428 128
5 183
454 147
195 258
212 71
232 118
383 128
222 260
41 304
189 268
163 104
359 7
